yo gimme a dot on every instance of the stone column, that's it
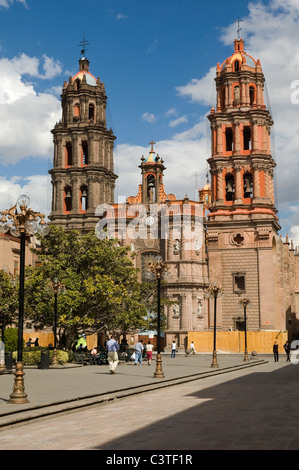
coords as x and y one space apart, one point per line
255 137
219 184
75 150
238 194
237 138
219 145
256 181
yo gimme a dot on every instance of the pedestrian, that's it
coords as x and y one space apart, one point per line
275 351
112 347
173 349
149 352
36 342
138 349
287 348
192 348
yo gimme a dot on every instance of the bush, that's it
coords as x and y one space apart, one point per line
11 339
33 357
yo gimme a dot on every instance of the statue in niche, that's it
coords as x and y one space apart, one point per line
176 245
199 309
176 310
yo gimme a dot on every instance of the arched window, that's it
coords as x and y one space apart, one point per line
67 199
77 110
68 154
229 187
236 66
229 139
91 112
252 95
151 183
247 185
83 198
247 138
84 153
77 84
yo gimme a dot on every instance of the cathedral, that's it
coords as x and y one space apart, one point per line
229 236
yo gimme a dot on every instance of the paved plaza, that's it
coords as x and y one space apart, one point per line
236 407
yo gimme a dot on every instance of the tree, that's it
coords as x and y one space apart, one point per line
8 299
101 289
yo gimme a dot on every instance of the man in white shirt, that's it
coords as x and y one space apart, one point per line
112 347
173 349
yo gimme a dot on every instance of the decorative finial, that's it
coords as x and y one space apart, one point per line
83 44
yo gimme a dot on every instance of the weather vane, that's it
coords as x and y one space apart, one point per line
238 29
83 44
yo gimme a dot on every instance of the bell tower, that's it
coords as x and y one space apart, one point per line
83 171
242 225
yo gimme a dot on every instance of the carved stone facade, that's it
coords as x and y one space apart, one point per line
231 235
83 170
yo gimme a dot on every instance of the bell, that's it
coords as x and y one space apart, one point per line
84 193
229 187
68 195
247 187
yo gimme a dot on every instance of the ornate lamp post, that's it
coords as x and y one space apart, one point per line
214 291
21 221
158 270
245 302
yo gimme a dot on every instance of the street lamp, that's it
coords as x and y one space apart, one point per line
56 287
214 291
245 302
20 220
158 269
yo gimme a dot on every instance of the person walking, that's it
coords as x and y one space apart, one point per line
287 348
149 352
112 347
275 351
138 349
173 349
192 348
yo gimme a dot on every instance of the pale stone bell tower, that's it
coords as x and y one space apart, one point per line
83 172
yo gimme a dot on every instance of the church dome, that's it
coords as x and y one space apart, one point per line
84 72
239 57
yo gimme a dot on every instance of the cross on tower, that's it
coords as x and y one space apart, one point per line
152 143
238 29
84 43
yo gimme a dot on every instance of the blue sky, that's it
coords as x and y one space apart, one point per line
157 60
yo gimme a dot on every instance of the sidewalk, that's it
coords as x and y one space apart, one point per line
58 390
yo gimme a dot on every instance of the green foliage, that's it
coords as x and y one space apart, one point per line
101 289
33 357
11 339
8 299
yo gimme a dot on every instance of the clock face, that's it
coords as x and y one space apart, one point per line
150 220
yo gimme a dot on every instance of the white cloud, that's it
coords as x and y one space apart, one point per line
178 121
171 112
9 3
37 187
149 117
200 90
26 117
121 16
